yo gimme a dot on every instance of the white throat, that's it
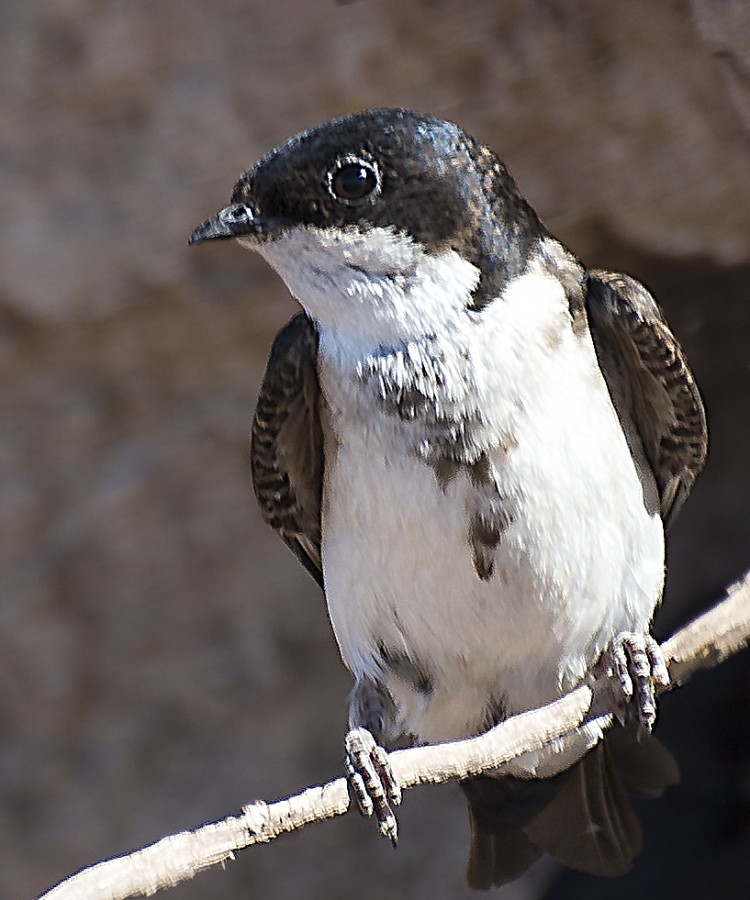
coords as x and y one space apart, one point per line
373 287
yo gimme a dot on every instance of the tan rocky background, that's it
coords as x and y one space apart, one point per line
163 659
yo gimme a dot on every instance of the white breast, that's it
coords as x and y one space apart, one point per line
582 560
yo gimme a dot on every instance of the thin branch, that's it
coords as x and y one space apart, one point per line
703 644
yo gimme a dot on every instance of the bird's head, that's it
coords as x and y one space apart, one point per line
375 199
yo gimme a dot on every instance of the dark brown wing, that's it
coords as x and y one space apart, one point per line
287 443
647 373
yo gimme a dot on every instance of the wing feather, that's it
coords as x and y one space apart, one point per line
648 374
286 449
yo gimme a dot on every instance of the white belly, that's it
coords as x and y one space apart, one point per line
581 561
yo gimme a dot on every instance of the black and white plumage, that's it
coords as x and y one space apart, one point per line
473 444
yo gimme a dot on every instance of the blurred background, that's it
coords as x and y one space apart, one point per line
163 658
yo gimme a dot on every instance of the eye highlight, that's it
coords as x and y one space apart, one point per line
353 179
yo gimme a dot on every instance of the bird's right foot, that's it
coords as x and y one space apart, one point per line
372 783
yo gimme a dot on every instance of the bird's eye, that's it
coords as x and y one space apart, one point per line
353 179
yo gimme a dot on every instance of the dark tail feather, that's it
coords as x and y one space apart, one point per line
646 768
499 810
496 859
582 818
590 825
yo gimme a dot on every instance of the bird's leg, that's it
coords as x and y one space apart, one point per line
637 664
372 783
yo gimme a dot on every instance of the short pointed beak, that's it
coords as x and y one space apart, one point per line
232 221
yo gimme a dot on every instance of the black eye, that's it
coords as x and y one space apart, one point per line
353 180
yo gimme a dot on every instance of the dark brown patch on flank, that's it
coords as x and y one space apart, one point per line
406 668
486 529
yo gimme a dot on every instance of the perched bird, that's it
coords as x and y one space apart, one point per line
474 445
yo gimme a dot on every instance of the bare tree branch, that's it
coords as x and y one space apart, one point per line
704 643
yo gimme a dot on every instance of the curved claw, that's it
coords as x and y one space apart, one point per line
637 663
372 784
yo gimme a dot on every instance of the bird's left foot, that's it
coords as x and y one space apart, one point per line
637 664
372 783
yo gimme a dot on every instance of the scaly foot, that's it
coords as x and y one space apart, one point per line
637 663
372 783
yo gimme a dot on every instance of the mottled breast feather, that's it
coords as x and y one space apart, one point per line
287 443
647 374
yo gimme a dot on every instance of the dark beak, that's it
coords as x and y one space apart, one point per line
233 221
